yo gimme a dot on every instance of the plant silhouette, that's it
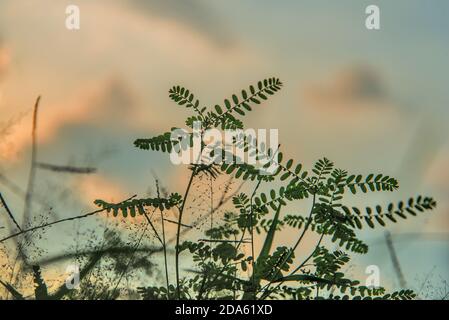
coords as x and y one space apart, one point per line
218 266
225 262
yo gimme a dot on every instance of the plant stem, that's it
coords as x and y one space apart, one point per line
306 227
239 243
252 237
31 177
292 251
178 231
267 293
29 191
5 205
131 259
164 245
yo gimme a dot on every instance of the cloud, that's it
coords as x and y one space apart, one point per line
96 98
116 100
355 99
92 187
109 103
353 86
194 14
141 50
139 39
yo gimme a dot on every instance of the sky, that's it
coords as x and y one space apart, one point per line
369 100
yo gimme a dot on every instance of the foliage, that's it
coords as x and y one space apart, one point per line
224 264
221 262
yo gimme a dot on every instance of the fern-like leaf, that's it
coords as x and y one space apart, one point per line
372 183
162 143
381 215
184 97
242 104
138 205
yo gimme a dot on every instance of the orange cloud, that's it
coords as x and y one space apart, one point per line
137 43
93 187
109 100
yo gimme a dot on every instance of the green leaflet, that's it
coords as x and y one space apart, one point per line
138 205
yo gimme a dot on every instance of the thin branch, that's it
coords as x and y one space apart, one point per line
25 231
292 251
5 205
182 224
221 203
224 241
239 243
32 174
164 244
178 232
306 227
152 227
131 259
29 191
267 293
251 230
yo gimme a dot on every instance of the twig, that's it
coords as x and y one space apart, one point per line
306 226
178 232
267 294
251 216
292 251
131 259
32 174
182 224
9 212
239 243
225 241
164 245
152 227
25 231
29 190
221 203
